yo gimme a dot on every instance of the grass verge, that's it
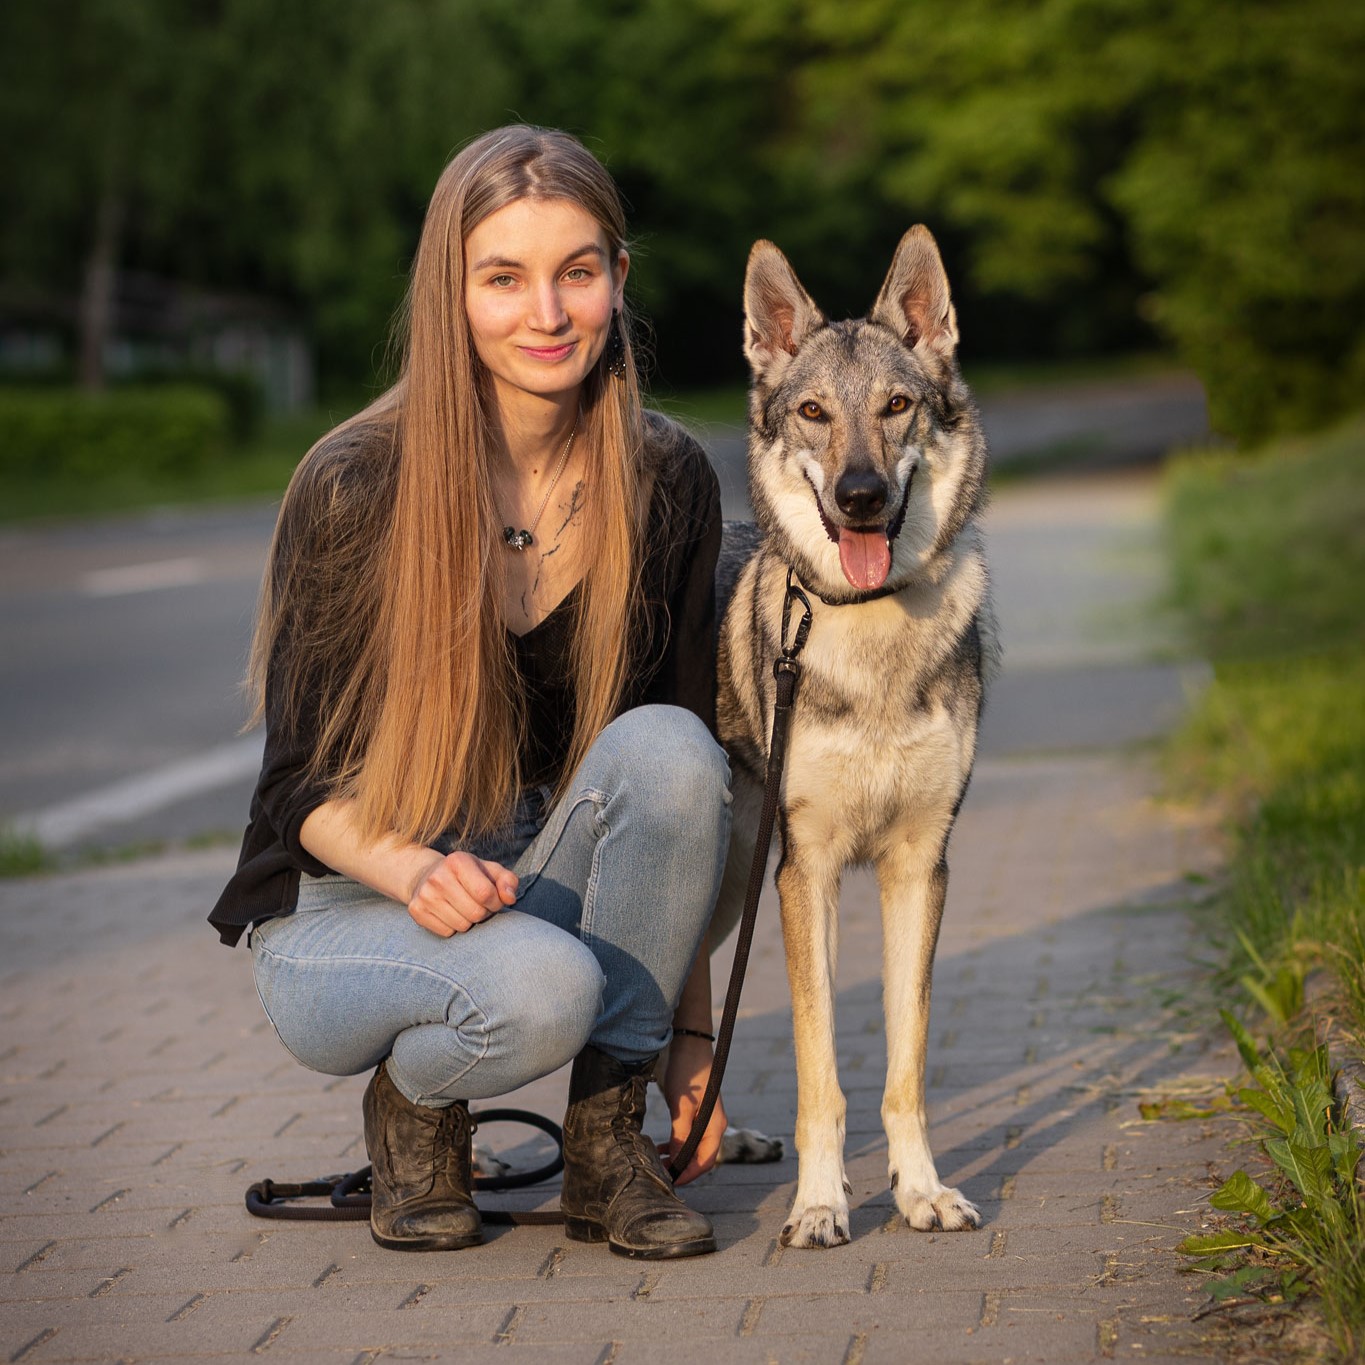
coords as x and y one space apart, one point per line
1268 555
21 855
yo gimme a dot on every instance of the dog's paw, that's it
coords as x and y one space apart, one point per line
747 1146
948 1209
820 1226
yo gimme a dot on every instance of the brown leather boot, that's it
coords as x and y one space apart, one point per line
615 1187
421 1171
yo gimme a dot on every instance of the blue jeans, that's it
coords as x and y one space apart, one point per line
618 881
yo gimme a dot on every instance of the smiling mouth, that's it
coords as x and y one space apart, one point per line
864 551
549 352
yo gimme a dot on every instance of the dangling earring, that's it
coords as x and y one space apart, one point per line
615 354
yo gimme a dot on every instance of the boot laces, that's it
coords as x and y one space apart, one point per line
454 1128
627 1128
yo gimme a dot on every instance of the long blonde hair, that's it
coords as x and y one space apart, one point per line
381 608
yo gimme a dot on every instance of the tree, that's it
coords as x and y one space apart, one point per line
1245 196
287 151
1091 167
90 127
1215 147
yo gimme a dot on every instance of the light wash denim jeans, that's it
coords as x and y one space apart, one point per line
618 882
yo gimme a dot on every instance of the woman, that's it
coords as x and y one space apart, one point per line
485 660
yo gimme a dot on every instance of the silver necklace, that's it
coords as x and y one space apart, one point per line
521 540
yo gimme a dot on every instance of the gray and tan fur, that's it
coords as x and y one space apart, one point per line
867 470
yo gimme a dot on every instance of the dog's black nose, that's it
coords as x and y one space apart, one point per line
860 493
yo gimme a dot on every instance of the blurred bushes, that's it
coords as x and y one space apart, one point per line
64 436
241 393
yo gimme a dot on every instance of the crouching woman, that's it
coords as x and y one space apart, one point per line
491 818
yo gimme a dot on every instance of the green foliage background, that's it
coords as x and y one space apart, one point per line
1094 169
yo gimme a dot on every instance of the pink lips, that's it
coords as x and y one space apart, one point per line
548 353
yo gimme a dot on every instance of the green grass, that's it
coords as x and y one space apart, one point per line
1269 549
21 855
1268 557
1268 563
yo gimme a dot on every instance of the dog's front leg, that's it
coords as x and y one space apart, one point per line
810 931
914 882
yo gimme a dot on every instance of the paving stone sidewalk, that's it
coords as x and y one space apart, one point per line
143 1090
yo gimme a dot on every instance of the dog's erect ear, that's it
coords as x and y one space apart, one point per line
914 301
778 313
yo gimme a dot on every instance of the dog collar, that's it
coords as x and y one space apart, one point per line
870 596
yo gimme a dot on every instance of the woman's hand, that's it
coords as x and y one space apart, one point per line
456 891
684 1084
446 893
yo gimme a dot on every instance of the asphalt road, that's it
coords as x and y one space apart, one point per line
124 641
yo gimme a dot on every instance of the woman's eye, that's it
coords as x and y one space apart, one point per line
899 403
812 412
577 274
501 281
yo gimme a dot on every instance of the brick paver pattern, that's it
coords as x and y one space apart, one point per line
143 1089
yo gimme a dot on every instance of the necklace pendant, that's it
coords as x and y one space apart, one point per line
521 540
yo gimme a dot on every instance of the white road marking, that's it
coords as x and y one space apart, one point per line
62 824
163 573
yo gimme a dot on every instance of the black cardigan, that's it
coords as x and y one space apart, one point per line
681 545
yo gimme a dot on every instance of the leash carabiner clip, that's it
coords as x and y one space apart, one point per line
794 594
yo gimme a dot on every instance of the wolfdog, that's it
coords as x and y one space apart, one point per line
866 473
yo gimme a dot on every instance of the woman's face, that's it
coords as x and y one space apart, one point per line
540 286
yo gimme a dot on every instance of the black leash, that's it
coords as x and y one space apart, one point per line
787 673
348 1196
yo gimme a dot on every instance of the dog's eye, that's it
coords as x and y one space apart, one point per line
812 412
899 403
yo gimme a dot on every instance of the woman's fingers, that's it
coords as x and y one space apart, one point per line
684 1084
708 1149
461 891
504 880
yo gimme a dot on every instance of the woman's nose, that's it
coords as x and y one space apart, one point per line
547 313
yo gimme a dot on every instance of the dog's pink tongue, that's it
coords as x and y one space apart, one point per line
865 557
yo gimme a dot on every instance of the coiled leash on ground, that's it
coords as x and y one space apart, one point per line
348 1196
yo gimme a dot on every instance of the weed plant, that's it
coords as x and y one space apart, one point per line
1299 1225
1268 555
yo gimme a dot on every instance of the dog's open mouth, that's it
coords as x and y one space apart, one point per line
864 551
